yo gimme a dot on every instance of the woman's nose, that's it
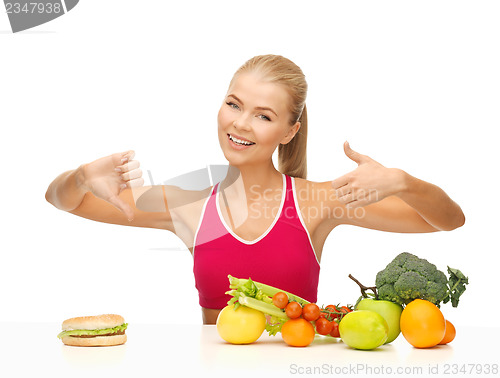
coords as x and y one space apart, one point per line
242 122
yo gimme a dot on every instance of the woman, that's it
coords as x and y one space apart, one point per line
271 224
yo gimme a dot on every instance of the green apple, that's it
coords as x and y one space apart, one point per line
389 310
363 329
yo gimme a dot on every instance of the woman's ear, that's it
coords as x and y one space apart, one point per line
291 133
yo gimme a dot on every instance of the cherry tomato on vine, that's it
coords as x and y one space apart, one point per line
328 312
323 326
335 329
280 300
310 312
293 310
345 309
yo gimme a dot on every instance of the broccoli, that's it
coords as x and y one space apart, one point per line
408 277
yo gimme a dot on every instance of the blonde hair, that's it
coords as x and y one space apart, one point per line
280 70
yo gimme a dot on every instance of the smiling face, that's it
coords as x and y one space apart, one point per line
253 120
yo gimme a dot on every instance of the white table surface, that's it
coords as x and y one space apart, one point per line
33 350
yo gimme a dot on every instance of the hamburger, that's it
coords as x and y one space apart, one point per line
100 330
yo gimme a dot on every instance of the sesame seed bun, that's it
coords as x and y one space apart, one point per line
93 322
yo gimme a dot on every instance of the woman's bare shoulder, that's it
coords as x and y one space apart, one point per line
312 192
318 203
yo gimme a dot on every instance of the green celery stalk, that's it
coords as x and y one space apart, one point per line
236 283
266 308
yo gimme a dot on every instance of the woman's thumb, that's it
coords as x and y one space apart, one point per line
353 155
122 206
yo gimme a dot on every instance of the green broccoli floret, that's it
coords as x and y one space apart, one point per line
410 285
408 277
436 291
390 274
389 294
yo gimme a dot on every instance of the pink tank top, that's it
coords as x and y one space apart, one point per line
282 257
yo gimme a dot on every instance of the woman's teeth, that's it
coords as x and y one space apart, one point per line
238 141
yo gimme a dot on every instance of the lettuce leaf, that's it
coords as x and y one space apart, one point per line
93 332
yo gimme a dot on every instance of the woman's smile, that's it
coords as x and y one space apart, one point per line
239 143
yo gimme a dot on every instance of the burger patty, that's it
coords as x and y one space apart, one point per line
106 334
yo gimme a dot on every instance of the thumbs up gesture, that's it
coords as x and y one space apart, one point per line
370 182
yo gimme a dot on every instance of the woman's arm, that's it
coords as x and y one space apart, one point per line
431 203
106 190
66 192
392 200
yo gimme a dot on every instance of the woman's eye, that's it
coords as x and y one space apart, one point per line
264 117
232 105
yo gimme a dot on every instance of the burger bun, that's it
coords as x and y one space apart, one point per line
94 341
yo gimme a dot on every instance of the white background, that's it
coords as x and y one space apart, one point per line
415 85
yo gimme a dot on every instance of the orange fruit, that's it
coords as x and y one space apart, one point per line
422 324
449 334
297 332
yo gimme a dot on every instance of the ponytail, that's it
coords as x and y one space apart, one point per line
292 156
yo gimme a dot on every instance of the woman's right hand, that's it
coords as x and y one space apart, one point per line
107 177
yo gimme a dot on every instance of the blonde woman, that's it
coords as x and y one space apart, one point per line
258 212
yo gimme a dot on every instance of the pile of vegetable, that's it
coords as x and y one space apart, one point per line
295 318
405 300
421 288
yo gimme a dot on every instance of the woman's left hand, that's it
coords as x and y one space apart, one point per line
370 182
